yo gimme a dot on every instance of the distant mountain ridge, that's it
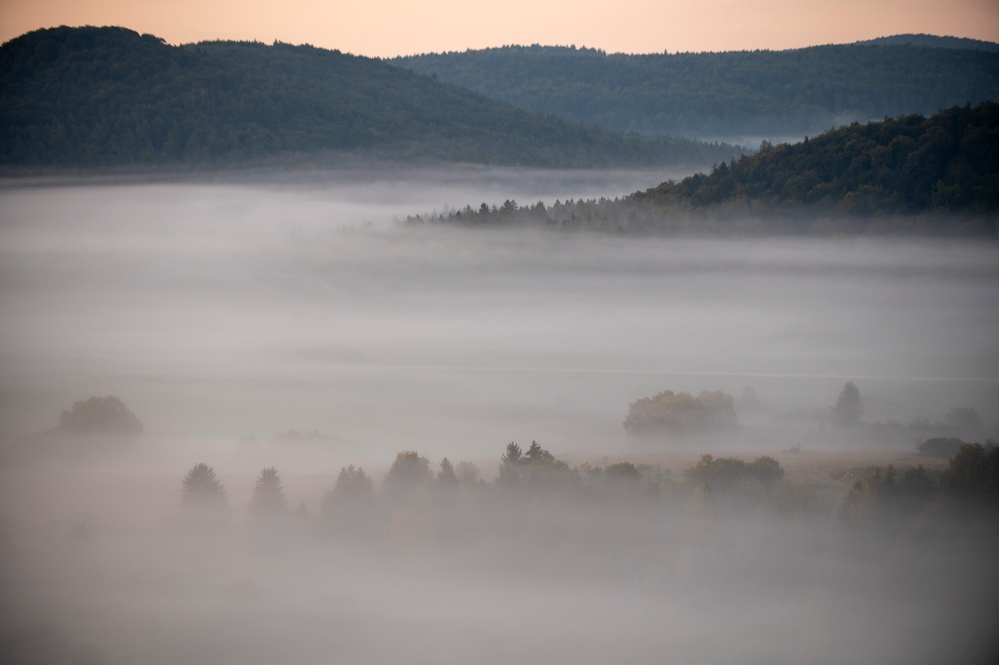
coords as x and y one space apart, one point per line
796 92
933 41
100 97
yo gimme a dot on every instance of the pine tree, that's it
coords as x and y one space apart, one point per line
446 477
510 463
353 486
268 495
849 408
202 490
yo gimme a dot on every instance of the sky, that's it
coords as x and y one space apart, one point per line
386 28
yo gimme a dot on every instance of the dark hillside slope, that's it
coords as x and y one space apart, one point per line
911 164
760 93
909 175
83 97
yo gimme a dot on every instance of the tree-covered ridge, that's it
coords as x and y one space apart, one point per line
928 175
948 162
923 39
758 93
111 97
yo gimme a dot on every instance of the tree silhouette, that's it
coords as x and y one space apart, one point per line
446 477
408 474
510 463
352 486
101 416
268 495
535 453
849 408
468 474
351 497
202 490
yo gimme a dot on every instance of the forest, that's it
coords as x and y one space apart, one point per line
110 97
911 174
759 93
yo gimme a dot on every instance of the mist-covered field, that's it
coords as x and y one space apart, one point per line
227 313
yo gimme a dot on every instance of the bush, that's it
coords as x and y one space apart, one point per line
725 473
940 446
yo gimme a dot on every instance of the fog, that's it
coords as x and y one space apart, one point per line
230 311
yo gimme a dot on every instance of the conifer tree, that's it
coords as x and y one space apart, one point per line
268 495
202 490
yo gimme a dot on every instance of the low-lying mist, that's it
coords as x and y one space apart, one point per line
291 323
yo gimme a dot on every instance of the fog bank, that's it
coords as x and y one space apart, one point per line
256 323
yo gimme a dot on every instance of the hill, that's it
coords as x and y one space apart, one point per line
934 41
760 93
922 175
98 97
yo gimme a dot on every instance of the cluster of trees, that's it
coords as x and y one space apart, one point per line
100 425
910 498
202 491
896 175
711 412
934 438
101 416
99 97
758 93
728 472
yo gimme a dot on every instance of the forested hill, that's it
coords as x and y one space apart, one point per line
909 174
935 41
760 93
910 164
85 97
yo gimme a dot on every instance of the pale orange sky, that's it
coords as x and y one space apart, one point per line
400 27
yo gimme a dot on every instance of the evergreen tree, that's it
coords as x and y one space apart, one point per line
446 477
512 459
849 408
353 486
268 495
202 490
535 453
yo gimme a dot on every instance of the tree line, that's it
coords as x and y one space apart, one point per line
898 499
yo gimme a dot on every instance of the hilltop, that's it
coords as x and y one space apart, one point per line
110 97
935 42
774 94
